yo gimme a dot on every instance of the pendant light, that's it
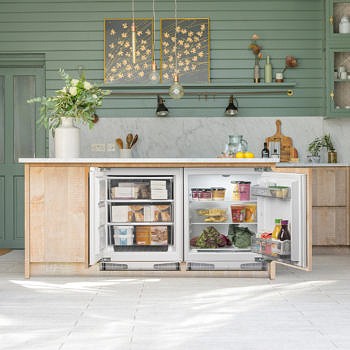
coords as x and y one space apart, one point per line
133 33
154 75
176 91
162 111
231 109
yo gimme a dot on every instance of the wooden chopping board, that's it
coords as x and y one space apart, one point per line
282 143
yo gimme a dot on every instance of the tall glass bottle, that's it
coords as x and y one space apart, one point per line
268 70
256 70
284 234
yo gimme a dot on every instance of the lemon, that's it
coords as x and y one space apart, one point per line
248 155
239 155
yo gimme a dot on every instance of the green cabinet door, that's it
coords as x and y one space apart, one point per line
337 59
19 137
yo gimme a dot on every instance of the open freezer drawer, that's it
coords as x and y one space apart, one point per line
135 217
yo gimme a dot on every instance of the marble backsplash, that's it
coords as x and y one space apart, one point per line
206 137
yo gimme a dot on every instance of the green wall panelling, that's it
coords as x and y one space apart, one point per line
2 207
18 208
70 34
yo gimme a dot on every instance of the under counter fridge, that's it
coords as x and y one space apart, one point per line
136 218
230 213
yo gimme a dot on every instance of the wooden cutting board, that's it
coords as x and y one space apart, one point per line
282 143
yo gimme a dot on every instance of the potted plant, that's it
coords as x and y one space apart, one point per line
314 148
328 144
75 103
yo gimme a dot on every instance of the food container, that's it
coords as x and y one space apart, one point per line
244 190
143 235
204 194
250 212
344 25
218 193
235 191
195 193
238 213
123 235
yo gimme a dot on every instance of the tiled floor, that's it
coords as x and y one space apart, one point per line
296 311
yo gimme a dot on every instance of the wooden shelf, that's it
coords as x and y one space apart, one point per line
212 89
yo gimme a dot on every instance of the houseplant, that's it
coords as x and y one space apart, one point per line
75 102
314 148
328 144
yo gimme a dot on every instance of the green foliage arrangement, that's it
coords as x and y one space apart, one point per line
315 146
78 99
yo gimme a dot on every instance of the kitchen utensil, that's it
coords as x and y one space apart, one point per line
119 143
129 139
134 140
285 143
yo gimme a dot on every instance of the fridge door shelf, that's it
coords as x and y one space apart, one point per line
280 192
272 248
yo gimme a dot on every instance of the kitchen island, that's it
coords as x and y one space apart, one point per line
59 230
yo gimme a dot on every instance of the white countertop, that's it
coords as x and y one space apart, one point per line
148 160
311 165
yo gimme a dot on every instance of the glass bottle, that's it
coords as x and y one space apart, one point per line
256 70
284 234
277 229
265 152
268 70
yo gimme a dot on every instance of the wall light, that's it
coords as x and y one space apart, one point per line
161 111
231 109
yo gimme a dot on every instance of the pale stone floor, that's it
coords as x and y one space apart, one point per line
298 310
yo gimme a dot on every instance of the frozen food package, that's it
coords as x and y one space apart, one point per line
159 235
143 235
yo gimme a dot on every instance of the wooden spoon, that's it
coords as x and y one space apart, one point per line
129 139
134 140
119 143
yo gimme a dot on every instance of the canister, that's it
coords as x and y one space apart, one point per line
244 190
235 191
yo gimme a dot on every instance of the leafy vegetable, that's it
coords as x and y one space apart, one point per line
241 236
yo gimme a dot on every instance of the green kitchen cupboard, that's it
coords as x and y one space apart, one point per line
338 58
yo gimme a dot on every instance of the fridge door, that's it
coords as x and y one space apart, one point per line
294 208
98 215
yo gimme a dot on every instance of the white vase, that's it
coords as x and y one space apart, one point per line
67 140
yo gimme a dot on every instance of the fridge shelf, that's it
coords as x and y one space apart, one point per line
280 192
217 202
131 201
219 250
223 223
140 248
141 223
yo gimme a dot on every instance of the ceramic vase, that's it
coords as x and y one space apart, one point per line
67 139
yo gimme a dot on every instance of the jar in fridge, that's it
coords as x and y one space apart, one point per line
218 193
204 194
244 190
250 212
235 191
238 213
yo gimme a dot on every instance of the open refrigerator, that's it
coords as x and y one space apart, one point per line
136 219
209 217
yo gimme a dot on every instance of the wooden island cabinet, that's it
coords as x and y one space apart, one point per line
68 215
330 206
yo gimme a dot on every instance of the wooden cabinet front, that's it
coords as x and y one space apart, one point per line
330 226
330 202
58 204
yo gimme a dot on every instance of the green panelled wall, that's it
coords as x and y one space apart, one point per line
70 34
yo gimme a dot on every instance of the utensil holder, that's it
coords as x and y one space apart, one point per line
125 153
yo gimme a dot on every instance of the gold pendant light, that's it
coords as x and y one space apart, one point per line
176 90
133 33
154 75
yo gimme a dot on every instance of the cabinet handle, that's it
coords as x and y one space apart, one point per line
332 95
331 19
